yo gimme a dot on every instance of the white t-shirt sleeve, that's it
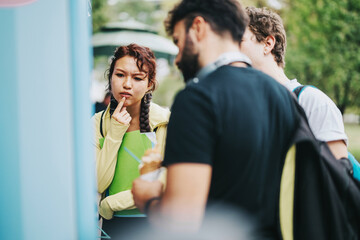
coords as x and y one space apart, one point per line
324 117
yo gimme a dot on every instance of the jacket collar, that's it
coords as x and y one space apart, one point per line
158 116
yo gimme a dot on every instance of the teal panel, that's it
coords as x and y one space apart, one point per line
47 171
84 160
10 201
46 120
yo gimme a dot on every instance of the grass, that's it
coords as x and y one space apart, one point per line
353 133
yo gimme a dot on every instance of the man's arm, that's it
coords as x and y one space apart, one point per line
190 145
181 207
325 120
338 149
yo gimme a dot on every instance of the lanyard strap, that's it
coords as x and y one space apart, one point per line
224 59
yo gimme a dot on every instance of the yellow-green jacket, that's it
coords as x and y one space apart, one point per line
106 157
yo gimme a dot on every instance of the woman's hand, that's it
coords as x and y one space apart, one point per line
120 114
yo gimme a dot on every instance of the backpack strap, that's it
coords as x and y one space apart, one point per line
298 90
101 121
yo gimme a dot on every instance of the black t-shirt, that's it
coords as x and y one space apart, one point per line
239 121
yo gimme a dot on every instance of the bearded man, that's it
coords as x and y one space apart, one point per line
229 130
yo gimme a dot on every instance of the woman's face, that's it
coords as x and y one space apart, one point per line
129 82
252 48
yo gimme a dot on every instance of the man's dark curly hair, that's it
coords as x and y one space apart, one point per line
263 23
222 15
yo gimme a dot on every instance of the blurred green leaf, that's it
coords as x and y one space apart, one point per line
324 47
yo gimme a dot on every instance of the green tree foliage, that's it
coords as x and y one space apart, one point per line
99 14
324 47
148 12
140 10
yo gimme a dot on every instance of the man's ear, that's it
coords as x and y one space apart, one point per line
199 27
269 42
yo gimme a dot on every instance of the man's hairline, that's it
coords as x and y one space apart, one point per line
173 29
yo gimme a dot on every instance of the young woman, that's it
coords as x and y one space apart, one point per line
119 139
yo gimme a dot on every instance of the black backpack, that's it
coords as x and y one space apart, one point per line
319 198
354 162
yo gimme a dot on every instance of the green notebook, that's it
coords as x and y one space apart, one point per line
132 148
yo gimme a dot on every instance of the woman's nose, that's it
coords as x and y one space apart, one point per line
127 82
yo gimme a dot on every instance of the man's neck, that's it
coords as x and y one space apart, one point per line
238 64
213 47
272 69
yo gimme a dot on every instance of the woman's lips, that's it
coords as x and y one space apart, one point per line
126 95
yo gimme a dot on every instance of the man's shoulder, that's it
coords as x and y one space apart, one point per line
196 87
249 79
241 75
193 92
238 71
313 96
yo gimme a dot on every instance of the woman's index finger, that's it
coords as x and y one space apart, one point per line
120 105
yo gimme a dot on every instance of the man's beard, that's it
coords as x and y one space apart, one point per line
189 63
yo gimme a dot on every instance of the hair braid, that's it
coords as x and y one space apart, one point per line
144 113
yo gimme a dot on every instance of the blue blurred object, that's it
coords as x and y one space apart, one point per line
10 178
356 166
47 172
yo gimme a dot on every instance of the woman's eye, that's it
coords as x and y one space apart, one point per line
120 75
138 79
